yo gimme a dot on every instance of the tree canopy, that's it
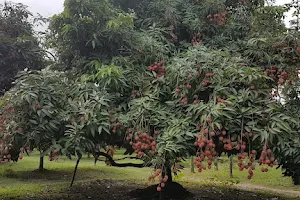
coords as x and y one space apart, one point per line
19 47
171 79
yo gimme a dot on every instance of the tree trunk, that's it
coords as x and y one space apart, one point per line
192 164
216 163
161 195
41 167
75 170
231 166
168 172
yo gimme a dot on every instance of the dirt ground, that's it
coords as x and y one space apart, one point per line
117 190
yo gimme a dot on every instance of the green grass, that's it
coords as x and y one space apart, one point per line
18 179
273 178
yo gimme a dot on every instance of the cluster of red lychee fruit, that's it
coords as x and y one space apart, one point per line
218 18
281 45
275 73
117 126
162 179
206 150
2 122
196 39
176 168
206 82
142 143
184 99
220 100
4 149
134 94
249 164
38 106
196 99
159 68
246 160
267 158
53 156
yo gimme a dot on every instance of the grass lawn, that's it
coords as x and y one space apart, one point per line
18 179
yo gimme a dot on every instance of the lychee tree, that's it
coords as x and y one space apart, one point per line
186 77
289 154
38 100
206 103
5 144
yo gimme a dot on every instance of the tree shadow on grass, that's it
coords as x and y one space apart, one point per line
55 175
121 190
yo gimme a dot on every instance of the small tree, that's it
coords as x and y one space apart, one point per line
39 100
88 117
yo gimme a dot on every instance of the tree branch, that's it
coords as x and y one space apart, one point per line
114 164
127 157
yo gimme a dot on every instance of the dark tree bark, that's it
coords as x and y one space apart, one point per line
114 164
231 166
168 172
41 166
216 163
75 171
192 164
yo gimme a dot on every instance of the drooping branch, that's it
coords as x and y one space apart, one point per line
114 164
124 158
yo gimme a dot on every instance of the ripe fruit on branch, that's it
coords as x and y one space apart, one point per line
38 106
143 143
159 68
277 74
158 189
196 39
208 75
220 100
218 18
20 130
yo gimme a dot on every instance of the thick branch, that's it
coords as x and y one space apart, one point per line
127 157
114 164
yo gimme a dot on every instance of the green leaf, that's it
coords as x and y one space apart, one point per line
100 129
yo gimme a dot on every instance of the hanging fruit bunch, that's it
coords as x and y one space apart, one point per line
217 18
54 155
117 126
278 75
142 142
159 68
5 146
158 173
197 39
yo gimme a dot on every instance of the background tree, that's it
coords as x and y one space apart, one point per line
91 30
19 47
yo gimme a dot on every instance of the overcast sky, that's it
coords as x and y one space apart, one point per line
48 8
